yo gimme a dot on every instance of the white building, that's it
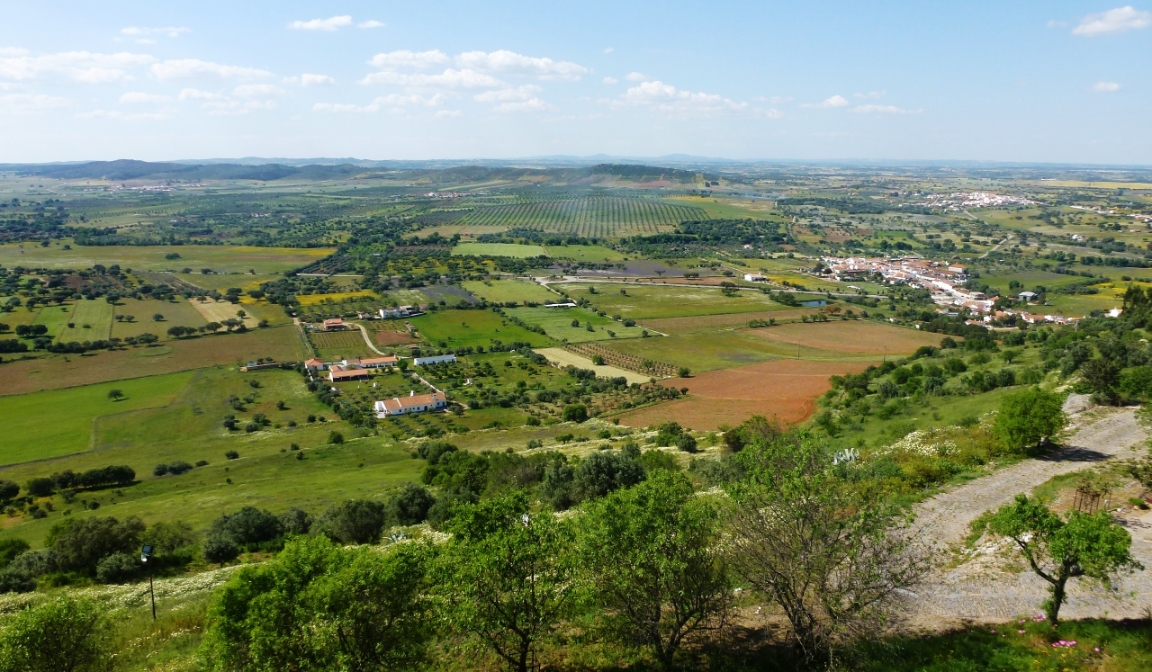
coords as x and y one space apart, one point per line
413 403
434 359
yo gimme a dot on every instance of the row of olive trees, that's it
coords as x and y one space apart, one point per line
650 567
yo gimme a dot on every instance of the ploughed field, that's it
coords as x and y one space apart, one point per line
784 388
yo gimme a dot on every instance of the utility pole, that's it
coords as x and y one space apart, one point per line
145 554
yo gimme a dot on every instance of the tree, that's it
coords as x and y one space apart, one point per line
8 490
1028 417
832 557
335 438
1103 376
511 575
1086 545
320 607
683 372
575 413
61 635
411 505
80 544
354 521
115 394
649 555
157 318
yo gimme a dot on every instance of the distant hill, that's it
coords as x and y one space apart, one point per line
178 171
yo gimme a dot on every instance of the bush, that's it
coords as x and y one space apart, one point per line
8 490
355 521
10 549
179 467
295 521
335 438
160 470
119 568
686 443
40 487
61 634
220 549
575 413
249 527
411 505
80 544
232 455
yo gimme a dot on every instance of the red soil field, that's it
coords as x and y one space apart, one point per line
681 325
785 388
393 338
853 336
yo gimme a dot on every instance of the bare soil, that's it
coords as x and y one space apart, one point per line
854 336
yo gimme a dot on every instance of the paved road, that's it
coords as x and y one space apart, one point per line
981 589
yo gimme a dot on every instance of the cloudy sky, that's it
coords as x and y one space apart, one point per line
1023 81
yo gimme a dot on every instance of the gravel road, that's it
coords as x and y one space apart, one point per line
982 589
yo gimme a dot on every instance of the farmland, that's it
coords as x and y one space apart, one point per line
557 322
337 345
638 301
473 328
852 338
506 291
220 259
786 389
499 250
589 216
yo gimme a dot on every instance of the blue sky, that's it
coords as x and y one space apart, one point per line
1021 81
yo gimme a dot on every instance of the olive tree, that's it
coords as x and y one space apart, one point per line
649 554
1085 545
508 576
834 558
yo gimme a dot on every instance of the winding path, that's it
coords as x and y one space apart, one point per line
980 588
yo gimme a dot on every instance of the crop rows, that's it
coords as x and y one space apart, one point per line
594 216
648 367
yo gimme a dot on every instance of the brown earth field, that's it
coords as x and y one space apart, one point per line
855 336
684 325
56 371
784 388
393 338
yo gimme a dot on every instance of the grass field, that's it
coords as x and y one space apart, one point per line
499 250
503 291
585 253
219 258
562 357
56 318
853 337
91 320
784 388
218 311
588 216
313 299
189 428
178 312
60 422
648 301
685 325
558 323
57 371
463 328
336 345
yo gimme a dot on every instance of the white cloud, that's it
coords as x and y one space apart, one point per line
448 113
509 61
123 116
403 58
143 35
257 90
370 23
194 67
309 79
395 101
873 95
608 50
80 66
330 24
611 80
452 79
669 99
197 94
1119 20
1106 87
636 77
833 102
141 97
883 109
27 103
520 99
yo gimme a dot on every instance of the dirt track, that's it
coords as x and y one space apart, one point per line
981 589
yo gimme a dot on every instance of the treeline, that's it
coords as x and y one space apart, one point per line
690 236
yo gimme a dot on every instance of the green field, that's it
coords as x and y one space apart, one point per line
90 320
499 250
464 328
585 253
178 312
504 291
558 323
219 258
56 318
650 301
587 216
60 422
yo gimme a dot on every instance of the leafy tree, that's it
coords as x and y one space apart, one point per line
335 438
832 557
115 394
40 487
320 607
411 505
649 556
9 549
511 575
8 490
61 635
575 413
80 544
295 521
220 549
1103 376
1028 417
119 568
354 521
1086 545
